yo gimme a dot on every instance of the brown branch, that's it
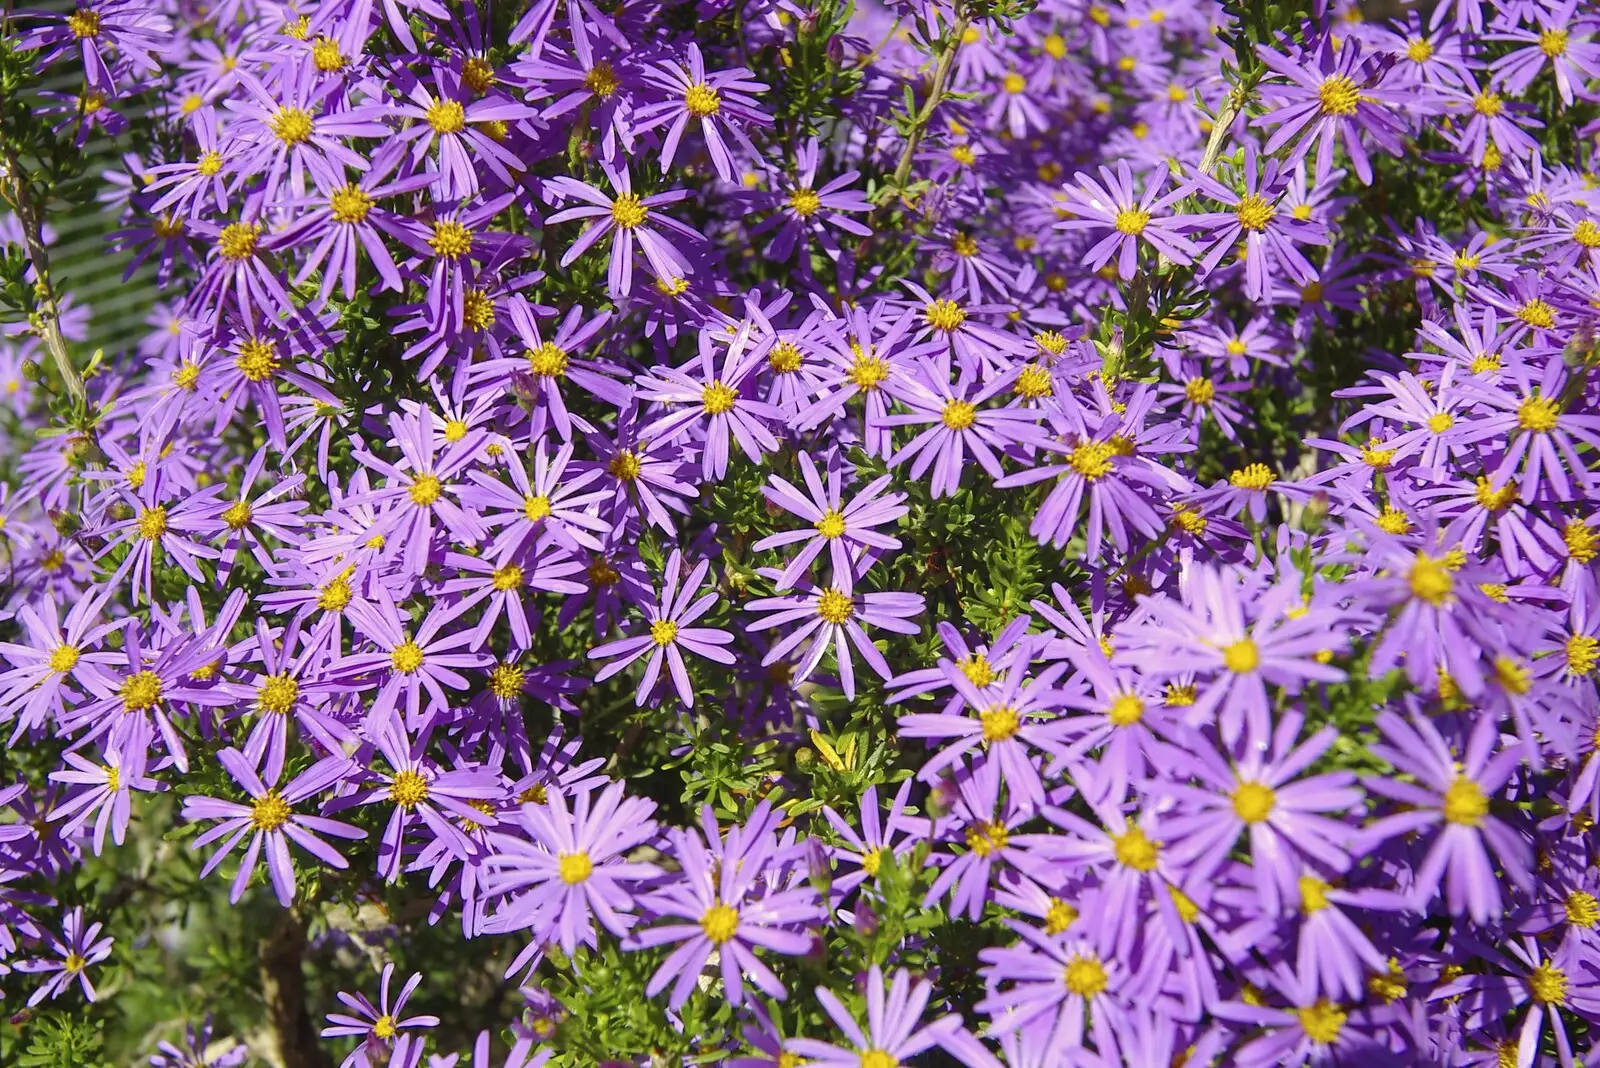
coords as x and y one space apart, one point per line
283 989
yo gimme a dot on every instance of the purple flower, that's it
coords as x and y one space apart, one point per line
892 1035
270 822
72 954
410 663
104 789
670 617
831 615
1331 94
806 213
1113 204
844 530
634 220
726 893
380 1026
566 868
721 100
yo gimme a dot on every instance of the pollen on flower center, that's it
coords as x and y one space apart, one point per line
1253 802
624 465
1582 909
1338 95
84 23
1322 1021
1553 42
834 607
999 723
535 506
450 239
1465 804
1582 653
1539 415
1092 459
1131 221
1014 83
278 693
1539 314
575 867
987 838
140 691
209 164
74 963
868 372
945 315
1512 675
831 525
1125 710
959 415
446 116
505 681
785 358
701 100
602 80
720 923
257 359
718 398
292 125
506 578
627 211
383 1027
1548 985
549 360
1085 976
408 789
1034 382
1135 850
349 205
238 515
424 490
1256 477
407 657
335 596
326 55
1241 657
663 632
63 659
977 670
269 811
1582 543
1313 894
804 202
1430 580
153 523
1201 391
237 241
1419 50
1059 916
1254 212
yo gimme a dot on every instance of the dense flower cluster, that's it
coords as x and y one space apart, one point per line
536 388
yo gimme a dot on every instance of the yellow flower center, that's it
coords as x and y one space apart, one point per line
1513 675
987 839
1553 42
408 789
575 867
1200 391
1131 221
425 490
945 315
140 691
1582 909
63 659
1430 580
257 359
1548 985
505 681
999 723
1313 894
153 523
238 515
1125 710
350 205
506 578
1253 477
407 657
1581 541
1465 804
1538 414
1338 95
335 596
872 861
1583 652
1254 212
1393 521
663 632
717 398
720 923
834 607
1253 802
446 116
1086 976
702 100
238 240
326 55
625 465
84 23
535 507
292 125
804 203
959 415
1419 50
1059 916
75 963
1537 313
1135 850
269 811
867 372
602 80
977 670
627 211
450 239
1034 382
877 1058
831 525
1322 1021
1242 657
278 693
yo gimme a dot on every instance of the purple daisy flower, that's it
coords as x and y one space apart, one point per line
1132 218
844 530
722 100
380 1026
72 954
634 219
832 617
670 617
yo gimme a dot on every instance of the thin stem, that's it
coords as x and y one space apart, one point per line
936 94
49 314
